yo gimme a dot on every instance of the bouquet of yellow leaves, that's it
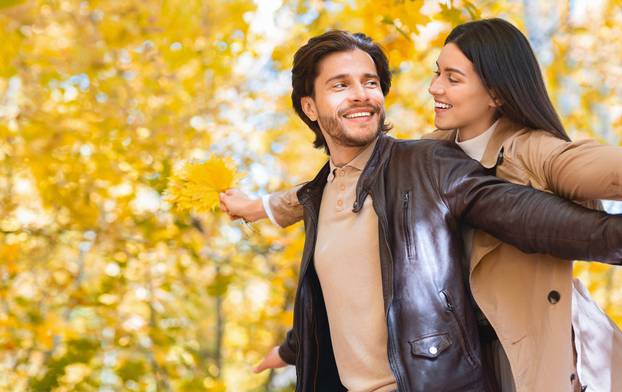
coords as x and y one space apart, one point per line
197 185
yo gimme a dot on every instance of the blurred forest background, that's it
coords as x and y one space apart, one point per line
103 286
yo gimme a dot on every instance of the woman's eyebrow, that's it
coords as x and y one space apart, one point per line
451 69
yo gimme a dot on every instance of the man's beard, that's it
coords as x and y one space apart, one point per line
335 129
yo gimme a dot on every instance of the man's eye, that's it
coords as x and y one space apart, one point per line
452 80
339 85
372 83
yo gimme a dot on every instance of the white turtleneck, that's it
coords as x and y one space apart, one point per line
476 146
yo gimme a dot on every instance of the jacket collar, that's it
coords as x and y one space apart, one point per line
380 154
312 191
505 129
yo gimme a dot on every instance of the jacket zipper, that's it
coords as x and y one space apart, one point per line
452 309
393 360
401 386
406 206
306 266
317 358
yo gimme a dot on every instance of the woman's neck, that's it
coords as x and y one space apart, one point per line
474 130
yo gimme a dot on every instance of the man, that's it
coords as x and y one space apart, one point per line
381 303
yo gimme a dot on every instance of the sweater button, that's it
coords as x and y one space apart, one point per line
554 297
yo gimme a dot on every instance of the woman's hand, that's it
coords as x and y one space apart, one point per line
238 205
271 361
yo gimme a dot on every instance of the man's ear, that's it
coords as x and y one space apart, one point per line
308 106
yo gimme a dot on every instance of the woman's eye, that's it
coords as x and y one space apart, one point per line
452 80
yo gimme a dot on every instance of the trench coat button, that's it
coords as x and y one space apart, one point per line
554 296
433 350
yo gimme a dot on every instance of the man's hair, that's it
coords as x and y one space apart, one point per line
305 69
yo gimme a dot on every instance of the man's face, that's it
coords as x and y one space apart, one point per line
348 102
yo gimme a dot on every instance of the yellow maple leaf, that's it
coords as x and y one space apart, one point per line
197 185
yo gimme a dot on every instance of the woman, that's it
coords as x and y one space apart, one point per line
490 99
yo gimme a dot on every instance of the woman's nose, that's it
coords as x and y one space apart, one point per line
436 87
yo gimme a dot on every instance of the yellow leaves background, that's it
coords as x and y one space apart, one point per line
102 284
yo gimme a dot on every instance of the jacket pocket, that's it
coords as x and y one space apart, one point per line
464 342
430 346
408 240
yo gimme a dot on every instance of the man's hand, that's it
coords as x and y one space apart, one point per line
238 205
271 361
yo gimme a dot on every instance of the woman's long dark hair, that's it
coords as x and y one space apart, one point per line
505 62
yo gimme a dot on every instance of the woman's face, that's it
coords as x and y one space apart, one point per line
460 98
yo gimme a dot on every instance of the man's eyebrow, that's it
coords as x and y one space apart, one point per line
336 77
371 76
345 76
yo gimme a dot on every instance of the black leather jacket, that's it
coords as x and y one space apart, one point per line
422 190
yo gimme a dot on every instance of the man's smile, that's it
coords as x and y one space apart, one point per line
359 115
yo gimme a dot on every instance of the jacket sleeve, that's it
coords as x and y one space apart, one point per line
581 170
289 348
533 221
285 207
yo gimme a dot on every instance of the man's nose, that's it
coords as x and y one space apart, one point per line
359 92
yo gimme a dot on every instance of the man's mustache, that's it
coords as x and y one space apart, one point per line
373 109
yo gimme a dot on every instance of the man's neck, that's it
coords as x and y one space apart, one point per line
340 156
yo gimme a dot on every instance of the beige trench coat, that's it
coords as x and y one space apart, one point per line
527 297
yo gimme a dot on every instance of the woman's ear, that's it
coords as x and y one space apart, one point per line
495 101
308 106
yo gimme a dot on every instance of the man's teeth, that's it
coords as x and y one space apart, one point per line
360 114
441 105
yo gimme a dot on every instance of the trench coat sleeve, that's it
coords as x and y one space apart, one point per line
289 348
581 170
285 207
533 221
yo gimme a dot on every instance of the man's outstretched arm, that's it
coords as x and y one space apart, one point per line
282 208
533 221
